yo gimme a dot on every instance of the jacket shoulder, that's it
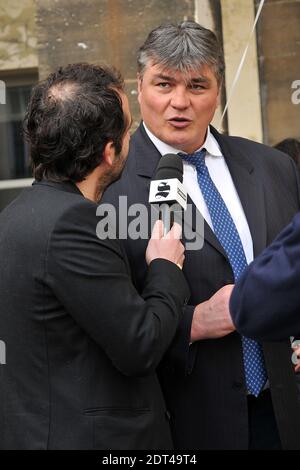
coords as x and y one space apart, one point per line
258 151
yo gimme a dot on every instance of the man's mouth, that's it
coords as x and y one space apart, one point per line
179 122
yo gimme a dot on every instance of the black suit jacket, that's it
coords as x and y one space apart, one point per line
82 345
204 383
265 303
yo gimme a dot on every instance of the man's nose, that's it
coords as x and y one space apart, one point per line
180 98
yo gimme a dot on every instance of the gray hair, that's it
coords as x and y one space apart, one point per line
184 47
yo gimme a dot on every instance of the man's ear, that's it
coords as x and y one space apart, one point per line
219 94
109 153
139 84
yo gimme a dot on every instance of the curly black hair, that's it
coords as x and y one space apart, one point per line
70 118
291 147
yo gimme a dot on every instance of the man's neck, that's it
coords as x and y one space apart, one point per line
89 187
164 148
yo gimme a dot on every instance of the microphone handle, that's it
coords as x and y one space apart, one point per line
167 218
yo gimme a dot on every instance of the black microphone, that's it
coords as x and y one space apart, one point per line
167 190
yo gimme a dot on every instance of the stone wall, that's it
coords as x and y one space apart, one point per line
279 56
44 34
18 40
103 31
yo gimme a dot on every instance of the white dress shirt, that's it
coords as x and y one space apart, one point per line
221 177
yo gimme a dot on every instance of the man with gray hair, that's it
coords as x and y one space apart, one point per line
223 391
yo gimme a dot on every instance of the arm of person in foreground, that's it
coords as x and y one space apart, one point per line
91 279
265 303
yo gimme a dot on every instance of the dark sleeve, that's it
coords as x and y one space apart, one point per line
91 279
296 175
265 303
180 356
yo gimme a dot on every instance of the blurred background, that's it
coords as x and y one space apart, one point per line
36 36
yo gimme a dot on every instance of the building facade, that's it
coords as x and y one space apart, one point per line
36 36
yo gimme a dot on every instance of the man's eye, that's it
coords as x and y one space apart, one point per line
197 86
163 85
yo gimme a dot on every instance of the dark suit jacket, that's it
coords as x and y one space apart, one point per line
204 383
82 345
265 303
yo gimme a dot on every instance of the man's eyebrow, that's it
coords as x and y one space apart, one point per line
161 76
200 80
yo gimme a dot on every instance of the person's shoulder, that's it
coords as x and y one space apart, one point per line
78 210
83 223
258 152
72 212
81 237
57 196
246 144
45 202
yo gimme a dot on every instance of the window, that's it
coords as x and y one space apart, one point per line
14 159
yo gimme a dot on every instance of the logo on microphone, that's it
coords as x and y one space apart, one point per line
163 190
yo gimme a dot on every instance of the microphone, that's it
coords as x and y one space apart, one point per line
167 190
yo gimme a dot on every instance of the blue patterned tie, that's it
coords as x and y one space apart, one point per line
227 234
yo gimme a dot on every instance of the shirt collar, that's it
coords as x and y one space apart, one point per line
210 144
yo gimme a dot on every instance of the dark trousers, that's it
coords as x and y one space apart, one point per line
263 431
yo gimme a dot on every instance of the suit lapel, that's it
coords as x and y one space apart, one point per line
146 154
209 235
249 188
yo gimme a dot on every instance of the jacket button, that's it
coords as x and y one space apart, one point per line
168 415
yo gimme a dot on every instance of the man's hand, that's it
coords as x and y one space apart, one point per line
212 318
168 247
297 352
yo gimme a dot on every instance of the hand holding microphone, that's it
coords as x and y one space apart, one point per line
168 194
167 247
